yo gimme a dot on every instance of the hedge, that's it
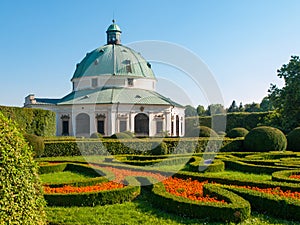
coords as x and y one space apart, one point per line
236 119
210 177
283 176
198 165
113 196
276 206
237 209
32 121
21 199
133 146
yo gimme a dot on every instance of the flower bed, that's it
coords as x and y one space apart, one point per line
121 174
191 189
71 189
295 176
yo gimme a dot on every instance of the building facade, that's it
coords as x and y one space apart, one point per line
113 91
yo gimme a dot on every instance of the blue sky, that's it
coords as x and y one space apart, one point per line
242 42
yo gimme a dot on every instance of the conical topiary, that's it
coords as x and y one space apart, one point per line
21 199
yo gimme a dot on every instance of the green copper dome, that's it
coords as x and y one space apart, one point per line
116 60
113 27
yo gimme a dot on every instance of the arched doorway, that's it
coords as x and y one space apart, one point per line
141 125
82 125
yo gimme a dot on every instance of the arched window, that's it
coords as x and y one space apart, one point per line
141 124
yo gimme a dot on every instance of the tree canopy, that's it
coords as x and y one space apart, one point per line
287 99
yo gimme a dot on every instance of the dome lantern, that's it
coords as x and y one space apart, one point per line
113 34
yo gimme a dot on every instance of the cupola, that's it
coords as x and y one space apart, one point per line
113 34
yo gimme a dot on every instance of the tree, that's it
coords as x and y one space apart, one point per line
201 110
266 105
190 111
287 99
241 107
215 109
253 107
233 107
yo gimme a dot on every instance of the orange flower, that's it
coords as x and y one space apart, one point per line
70 189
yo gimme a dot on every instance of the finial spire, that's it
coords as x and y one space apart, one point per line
113 21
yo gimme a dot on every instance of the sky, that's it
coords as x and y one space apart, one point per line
242 43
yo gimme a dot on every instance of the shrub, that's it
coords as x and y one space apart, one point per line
37 144
21 199
293 140
96 135
201 131
121 135
237 132
129 133
32 121
265 139
159 148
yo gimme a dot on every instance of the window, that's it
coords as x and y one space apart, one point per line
128 66
130 82
159 127
65 127
94 82
123 125
100 126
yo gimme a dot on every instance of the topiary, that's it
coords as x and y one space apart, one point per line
37 144
21 199
96 135
120 135
201 131
293 140
262 139
207 132
159 148
237 132
129 133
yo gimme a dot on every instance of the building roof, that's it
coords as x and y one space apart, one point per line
114 60
113 27
116 95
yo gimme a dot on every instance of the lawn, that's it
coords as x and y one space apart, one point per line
63 177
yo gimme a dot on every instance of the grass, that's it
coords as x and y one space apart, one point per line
63 177
240 175
140 211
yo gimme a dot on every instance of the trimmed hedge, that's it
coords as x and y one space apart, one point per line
37 144
198 165
137 146
201 131
284 176
276 206
293 140
21 199
236 210
113 196
237 132
32 121
264 139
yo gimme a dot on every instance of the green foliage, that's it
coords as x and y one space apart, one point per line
21 200
138 146
253 107
268 203
198 165
284 176
237 119
293 139
214 109
96 135
264 139
32 121
159 148
210 211
201 131
233 107
287 99
113 196
237 132
190 111
37 144
122 135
